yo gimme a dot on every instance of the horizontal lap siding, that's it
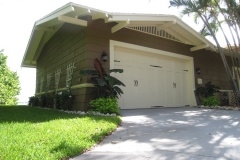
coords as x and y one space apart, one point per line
210 63
82 45
212 69
68 45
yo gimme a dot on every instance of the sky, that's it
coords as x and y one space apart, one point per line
17 18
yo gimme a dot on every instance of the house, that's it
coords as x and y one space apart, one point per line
163 59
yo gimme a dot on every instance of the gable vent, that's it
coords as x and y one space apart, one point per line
154 31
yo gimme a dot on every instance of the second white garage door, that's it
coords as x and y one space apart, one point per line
152 80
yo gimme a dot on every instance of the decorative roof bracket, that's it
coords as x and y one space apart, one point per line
199 47
99 15
120 25
71 20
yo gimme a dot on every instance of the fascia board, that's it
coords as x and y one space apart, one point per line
26 51
61 11
78 6
158 17
70 8
140 17
196 34
28 66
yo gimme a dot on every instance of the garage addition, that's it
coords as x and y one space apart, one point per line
153 78
159 55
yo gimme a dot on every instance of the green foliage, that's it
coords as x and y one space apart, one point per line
219 16
107 85
43 100
34 101
105 105
36 133
207 8
61 100
211 101
208 90
9 83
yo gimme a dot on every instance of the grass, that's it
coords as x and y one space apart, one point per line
35 133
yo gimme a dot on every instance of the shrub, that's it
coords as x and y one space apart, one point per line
211 101
34 101
50 100
208 90
43 100
63 100
105 105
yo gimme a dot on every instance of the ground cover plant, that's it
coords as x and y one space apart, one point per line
36 133
105 105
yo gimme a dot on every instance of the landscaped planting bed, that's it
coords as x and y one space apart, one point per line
236 108
36 133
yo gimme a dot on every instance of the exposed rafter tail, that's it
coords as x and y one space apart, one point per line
199 47
71 20
120 26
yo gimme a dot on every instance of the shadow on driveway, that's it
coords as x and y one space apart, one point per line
172 133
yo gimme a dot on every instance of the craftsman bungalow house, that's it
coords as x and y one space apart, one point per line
162 57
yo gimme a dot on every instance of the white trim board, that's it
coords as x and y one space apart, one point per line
114 44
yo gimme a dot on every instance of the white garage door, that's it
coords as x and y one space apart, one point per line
152 80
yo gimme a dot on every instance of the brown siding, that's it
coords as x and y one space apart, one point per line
68 45
81 45
212 69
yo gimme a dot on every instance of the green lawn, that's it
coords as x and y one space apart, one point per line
35 133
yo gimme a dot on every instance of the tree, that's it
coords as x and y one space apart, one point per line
9 83
214 14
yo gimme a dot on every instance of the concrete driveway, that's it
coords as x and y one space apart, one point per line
172 133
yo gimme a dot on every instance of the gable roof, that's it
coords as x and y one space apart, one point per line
167 26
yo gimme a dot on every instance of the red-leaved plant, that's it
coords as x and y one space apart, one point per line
108 86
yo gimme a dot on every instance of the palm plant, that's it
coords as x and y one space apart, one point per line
108 86
213 14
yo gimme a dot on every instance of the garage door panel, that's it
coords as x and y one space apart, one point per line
127 100
141 89
185 88
123 55
160 88
177 89
151 79
120 77
150 91
169 88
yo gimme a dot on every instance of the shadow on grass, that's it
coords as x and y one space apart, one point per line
20 114
73 150
67 150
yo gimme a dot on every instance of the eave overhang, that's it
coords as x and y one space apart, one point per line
166 26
